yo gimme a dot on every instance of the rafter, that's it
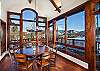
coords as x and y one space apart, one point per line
55 5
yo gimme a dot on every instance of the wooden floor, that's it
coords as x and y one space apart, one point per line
61 65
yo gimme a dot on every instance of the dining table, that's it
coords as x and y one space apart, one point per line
31 51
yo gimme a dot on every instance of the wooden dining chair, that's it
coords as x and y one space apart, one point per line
53 56
12 61
22 62
44 62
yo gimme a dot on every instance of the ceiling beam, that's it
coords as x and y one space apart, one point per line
55 5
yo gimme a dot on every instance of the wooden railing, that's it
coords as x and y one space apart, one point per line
73 51
74 45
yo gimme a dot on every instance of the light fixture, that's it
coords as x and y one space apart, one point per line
30 1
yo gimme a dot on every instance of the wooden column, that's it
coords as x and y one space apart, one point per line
65 30
8 30
37 31
96 1
54 33
90 35
47 33
21 31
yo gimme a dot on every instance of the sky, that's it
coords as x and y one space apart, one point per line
98 16
74 22
28 15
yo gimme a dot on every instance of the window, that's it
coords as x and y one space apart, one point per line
97 23
13 29
42 30
51 34
29 15
60 28
29 25
76 33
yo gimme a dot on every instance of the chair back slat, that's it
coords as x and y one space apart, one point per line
20 58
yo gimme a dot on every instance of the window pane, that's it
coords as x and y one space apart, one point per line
14 33
29 26
15 22
60 28
29 29
51 36
15 16
29 15
41 24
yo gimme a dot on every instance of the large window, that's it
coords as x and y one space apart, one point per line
76 33
74 28
42 30
13 29
29 25
70 35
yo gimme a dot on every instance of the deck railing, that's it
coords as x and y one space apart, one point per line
75 47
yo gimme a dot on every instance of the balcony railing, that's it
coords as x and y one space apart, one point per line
75 48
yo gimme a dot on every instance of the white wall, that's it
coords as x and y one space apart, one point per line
0 26
0 9
14 6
